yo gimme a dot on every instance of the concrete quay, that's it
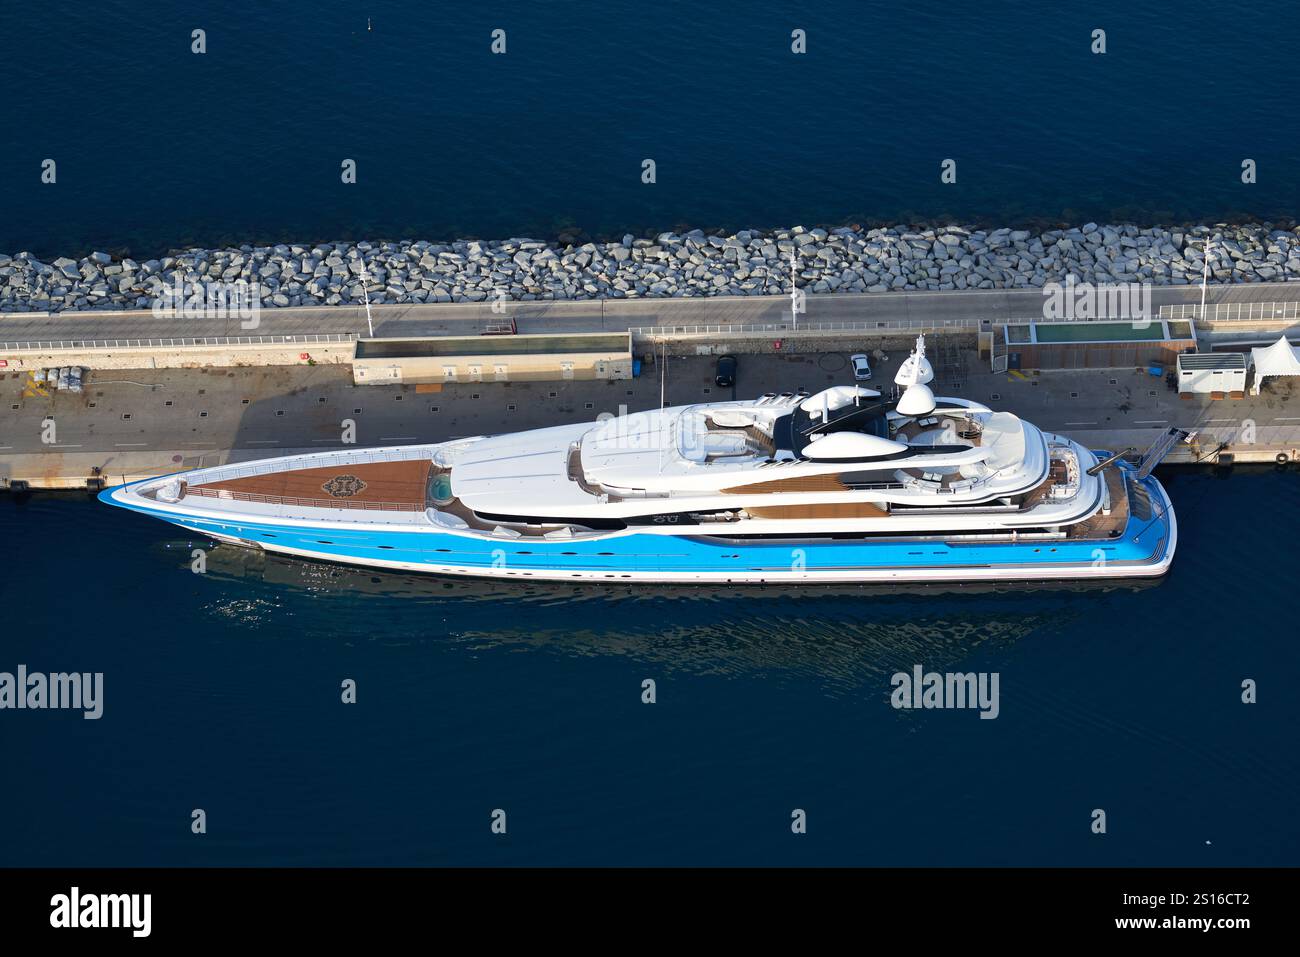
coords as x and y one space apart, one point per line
131 424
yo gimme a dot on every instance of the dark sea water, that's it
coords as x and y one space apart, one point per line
157 147
222 693
222 690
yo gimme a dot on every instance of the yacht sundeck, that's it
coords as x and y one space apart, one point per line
841 486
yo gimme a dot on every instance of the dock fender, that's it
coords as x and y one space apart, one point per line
1281 458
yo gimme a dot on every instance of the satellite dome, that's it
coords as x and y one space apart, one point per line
917 400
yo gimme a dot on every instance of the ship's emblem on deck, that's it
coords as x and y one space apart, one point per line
343 486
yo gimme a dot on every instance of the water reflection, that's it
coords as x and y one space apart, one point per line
842 635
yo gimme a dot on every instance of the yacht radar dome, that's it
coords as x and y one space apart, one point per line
917 400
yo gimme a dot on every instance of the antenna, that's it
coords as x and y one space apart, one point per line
364 283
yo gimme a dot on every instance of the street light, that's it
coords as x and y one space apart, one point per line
1205 276
794 292
366 292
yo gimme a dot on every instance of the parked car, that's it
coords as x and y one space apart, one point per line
725 375
861 367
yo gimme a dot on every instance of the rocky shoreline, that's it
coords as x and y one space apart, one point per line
749 263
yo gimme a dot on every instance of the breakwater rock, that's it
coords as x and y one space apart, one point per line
749 263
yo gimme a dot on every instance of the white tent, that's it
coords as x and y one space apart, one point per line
1281 358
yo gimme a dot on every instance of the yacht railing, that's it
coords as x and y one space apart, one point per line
225 473
227 494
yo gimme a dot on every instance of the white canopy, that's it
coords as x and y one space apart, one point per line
837 397
1281 358
834 398
851 445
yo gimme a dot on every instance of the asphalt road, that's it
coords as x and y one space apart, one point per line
592 316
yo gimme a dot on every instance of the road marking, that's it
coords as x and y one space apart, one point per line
1290 418
129 445
1081 423
1221 420
1151 422
262 442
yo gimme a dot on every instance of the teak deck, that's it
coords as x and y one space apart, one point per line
805 483
822 510
362 485
1112 525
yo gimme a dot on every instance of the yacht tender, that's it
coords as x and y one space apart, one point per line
841 486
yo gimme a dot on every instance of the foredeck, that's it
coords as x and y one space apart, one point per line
400 485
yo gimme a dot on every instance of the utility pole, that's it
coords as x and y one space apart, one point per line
794 291
1205 277
366 292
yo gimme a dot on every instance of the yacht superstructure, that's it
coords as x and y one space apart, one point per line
841 486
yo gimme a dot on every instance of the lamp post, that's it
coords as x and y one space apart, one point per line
794 292
366 292
1205 277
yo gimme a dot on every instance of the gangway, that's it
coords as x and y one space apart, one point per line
1110 460
1159 449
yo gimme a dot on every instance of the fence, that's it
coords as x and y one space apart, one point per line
740 330
81 345
1235 311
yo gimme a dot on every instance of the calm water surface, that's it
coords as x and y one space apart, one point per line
222 692
157 147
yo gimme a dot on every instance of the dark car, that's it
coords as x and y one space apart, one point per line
726 372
